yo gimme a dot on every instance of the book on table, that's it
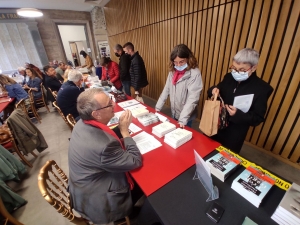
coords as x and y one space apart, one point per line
178 137
148 119
162 129
222 164
139 112
288 210
253 185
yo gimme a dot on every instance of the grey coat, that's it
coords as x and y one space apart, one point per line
184 96
97 182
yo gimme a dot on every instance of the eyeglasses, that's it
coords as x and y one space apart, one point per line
242 72
110 104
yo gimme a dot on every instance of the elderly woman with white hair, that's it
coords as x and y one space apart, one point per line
241 81
68 93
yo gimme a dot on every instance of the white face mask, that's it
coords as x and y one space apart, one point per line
240 76
181 68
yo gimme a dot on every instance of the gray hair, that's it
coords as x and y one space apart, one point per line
118 47
247 56
75 76
86 103
20 68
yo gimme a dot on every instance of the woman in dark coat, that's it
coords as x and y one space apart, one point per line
241 81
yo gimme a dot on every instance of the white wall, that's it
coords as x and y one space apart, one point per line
72 33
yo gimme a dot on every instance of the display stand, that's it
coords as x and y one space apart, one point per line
203 174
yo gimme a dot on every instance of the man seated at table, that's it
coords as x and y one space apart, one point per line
68 94
99 160
50 81
60 71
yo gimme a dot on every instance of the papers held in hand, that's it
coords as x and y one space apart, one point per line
243 102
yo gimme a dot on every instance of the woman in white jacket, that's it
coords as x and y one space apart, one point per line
183 85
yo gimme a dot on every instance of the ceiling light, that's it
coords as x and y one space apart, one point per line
29 12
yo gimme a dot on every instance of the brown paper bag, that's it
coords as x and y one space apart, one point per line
210 116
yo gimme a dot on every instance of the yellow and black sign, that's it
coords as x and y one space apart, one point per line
244 162
9 16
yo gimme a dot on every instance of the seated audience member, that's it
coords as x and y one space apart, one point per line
34 83
99 184
23 73
60 71
66 74
51 64
50 79
55 64
242 80
14 90
37 70
110 72
68 94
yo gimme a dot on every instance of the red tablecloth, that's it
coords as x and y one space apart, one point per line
4 102
163 164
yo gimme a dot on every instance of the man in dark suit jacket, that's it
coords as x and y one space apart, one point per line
68 94
138 74
99 185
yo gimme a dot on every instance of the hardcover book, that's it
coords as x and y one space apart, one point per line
253 185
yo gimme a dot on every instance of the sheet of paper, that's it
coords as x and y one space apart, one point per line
135 107
146 142
243 102
134 128
161 117
128 103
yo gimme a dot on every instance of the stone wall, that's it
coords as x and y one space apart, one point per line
50 35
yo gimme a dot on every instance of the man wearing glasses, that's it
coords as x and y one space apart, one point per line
242 81
99 161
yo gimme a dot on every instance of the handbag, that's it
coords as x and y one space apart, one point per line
4 134
223 116
210 116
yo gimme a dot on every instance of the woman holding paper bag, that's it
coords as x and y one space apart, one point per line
245 96
183 85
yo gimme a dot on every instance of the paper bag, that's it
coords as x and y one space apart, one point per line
140 99
210 117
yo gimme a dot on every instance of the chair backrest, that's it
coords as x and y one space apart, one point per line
54 93
52 182
62 115
71 120
32 106
21 105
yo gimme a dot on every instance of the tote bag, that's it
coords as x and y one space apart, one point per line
210 117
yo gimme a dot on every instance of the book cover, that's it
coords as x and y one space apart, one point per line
223 164
215 212
253 185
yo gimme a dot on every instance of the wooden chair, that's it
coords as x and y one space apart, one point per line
53 183
32 108
62 115
54 93
41 102
71 121
7 216
21 105
11 144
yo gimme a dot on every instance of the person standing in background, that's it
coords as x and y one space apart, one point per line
124 67
88 63
138 74
241 81
183 85
110 72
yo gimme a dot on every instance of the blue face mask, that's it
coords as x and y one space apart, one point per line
181 68
239 76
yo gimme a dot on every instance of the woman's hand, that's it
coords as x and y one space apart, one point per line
25 86
181 125
231 109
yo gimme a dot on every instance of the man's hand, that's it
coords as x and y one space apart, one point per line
124 122
231 109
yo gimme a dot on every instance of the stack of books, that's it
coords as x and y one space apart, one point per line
223 164
253 185
148 119
178 137
163 128
288 211
139 112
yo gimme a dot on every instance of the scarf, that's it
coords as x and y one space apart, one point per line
106 129
177 76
